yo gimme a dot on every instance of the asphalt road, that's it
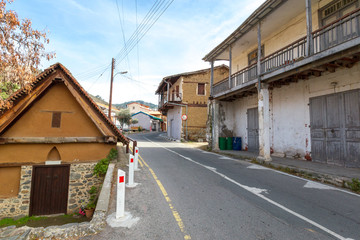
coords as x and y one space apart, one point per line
201 195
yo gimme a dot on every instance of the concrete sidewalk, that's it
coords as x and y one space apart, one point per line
318 171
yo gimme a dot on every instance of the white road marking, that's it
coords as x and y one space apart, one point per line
257 193
258 167
317 186
224 158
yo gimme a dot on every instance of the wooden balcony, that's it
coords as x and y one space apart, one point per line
173 98
328 41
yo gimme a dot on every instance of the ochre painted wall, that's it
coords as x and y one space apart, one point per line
10 181
69 152
36 122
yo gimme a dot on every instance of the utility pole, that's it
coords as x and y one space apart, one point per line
111 85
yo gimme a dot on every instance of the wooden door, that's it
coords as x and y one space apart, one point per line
49 189
253 129
335 128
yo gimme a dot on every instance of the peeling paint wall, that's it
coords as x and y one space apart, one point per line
289 111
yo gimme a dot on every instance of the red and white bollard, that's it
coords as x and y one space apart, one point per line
136 155
120 196
131 183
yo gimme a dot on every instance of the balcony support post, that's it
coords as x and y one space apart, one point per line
259 56
167 92
211 78
230 65
309 36
264 123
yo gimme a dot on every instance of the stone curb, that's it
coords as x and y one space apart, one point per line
71 230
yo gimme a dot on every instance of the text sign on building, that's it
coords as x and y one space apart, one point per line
184 117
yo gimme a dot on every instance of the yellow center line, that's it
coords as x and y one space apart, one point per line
168 200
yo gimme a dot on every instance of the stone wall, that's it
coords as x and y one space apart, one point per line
80 182
18 206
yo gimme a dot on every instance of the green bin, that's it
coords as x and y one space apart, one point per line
229 143
222 143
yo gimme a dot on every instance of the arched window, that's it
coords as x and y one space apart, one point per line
53 155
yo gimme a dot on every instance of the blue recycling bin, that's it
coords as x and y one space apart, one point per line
237 143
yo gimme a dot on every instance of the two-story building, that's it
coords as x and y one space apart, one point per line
183 98
294 87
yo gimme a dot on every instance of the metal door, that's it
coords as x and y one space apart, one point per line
49 189
253 129
335 128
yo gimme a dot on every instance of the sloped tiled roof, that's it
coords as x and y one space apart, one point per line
15 98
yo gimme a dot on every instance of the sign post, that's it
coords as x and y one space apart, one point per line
136 155
120 196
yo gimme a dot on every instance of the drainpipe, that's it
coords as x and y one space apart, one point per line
309 36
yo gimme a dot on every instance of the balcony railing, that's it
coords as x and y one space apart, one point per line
173 97
340 31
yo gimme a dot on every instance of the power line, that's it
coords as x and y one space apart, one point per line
150 19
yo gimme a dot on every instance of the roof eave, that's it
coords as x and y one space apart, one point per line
253 19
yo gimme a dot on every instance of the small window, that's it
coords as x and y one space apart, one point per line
133 108
201 88
336 10
252 57
56 120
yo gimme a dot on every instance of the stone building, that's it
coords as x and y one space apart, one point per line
294 87
187 94
51 137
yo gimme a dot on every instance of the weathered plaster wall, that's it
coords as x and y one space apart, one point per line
233 117
80 182
174 123
10 176
18 206
69 152
289 110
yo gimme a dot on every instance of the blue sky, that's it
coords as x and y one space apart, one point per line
86 34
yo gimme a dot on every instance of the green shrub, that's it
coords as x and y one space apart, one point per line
102 166
354 185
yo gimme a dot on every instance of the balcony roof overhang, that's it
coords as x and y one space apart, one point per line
270 19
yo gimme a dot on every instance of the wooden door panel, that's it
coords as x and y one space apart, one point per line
49 191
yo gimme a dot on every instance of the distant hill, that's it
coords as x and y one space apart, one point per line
99 99
123 105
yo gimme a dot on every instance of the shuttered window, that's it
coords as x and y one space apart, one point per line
56 120
201 88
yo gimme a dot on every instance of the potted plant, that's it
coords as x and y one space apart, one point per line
90 207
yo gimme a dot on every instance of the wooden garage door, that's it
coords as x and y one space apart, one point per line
335 128
49 189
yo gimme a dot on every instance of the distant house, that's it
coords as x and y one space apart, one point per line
50 140
147 121
294 87
114 112
136 107
187 94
